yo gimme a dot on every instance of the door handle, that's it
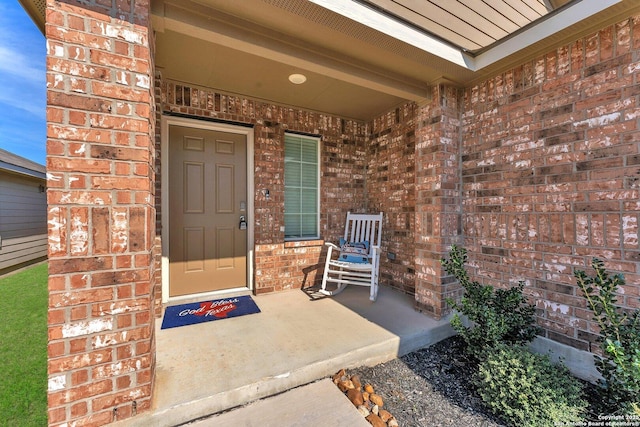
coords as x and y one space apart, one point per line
243 223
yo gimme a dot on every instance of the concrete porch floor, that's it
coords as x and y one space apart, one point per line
297 338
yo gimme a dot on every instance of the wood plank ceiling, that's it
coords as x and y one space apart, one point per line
471 25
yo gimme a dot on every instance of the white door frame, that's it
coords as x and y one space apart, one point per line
164 189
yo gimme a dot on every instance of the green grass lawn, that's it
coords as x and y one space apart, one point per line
23 348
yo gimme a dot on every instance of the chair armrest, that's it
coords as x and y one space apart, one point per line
331 245
330 248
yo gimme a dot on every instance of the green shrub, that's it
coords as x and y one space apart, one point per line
497 315
526 389
620 340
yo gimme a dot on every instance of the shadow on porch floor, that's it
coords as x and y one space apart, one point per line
299 337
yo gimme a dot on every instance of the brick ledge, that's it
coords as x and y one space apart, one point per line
303 243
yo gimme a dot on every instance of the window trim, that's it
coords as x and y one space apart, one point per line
318 141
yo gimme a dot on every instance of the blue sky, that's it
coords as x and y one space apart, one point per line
23 89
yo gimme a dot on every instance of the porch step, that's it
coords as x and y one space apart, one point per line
317 404
297 339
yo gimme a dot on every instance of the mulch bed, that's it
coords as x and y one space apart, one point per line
432 387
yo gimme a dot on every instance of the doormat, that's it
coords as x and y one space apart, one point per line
206 311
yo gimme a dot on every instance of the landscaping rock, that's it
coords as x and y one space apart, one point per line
355 396
345 385
385 415
376 400
338 376
355 379
366 401
375 421
363 410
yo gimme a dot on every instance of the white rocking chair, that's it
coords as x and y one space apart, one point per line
359 258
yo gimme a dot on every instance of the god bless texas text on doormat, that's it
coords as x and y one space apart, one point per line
206 311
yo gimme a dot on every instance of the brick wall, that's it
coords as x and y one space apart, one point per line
101 215
368 167
438 220
391 189
551 169
279 265
550 161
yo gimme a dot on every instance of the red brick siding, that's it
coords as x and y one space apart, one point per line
279 265
391 189
549 156
101 235
550 175
437 196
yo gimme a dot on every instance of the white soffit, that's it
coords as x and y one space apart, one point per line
394 28
284 50
540 30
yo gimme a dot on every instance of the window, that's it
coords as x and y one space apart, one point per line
301 187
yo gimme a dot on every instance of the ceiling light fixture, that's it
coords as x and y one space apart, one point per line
297 79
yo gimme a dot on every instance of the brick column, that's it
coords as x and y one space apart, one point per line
100 153
438 208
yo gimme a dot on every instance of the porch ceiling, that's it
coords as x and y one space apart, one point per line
361 57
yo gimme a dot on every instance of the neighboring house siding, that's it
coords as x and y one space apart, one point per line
23 221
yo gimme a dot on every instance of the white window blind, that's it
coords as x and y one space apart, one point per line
301 187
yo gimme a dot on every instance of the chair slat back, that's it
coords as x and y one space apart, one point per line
364 227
